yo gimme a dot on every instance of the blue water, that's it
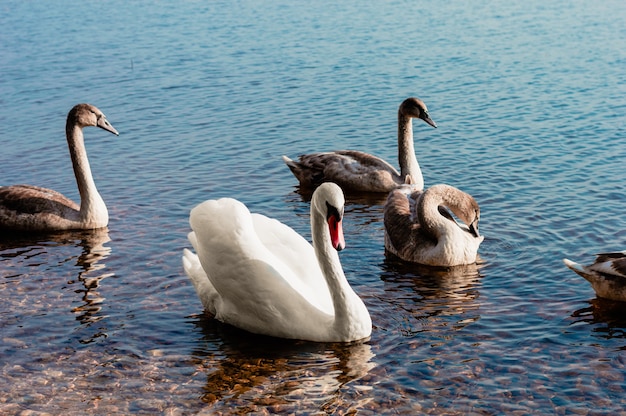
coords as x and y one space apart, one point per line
530 102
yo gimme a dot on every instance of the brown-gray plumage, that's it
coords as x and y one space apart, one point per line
419 229
27 208
359 171
607 274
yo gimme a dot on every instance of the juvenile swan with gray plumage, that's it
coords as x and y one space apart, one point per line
419 229
357 171
607 275
27 208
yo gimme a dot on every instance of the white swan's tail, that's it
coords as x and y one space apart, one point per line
205 290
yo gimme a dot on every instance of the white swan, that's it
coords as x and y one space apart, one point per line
31 208
426 233
362 172
607 275
259 275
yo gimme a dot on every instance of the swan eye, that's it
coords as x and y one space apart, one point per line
102 119
331 211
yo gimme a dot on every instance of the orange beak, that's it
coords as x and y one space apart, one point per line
336 233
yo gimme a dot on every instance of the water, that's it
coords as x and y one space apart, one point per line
529 99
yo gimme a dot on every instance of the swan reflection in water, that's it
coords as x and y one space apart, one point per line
250 371
92 273
432 292
34 250
606 317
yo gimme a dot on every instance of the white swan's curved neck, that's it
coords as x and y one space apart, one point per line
406 151
328 259
93 211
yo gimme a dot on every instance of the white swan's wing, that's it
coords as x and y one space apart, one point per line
298 255
205 290
257 290
261 301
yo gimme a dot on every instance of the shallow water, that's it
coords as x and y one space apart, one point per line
529 99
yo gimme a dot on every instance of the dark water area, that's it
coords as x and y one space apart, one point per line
529 98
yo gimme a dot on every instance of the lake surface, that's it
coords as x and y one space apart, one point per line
530 102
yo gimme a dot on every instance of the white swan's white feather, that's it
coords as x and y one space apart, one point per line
201 283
